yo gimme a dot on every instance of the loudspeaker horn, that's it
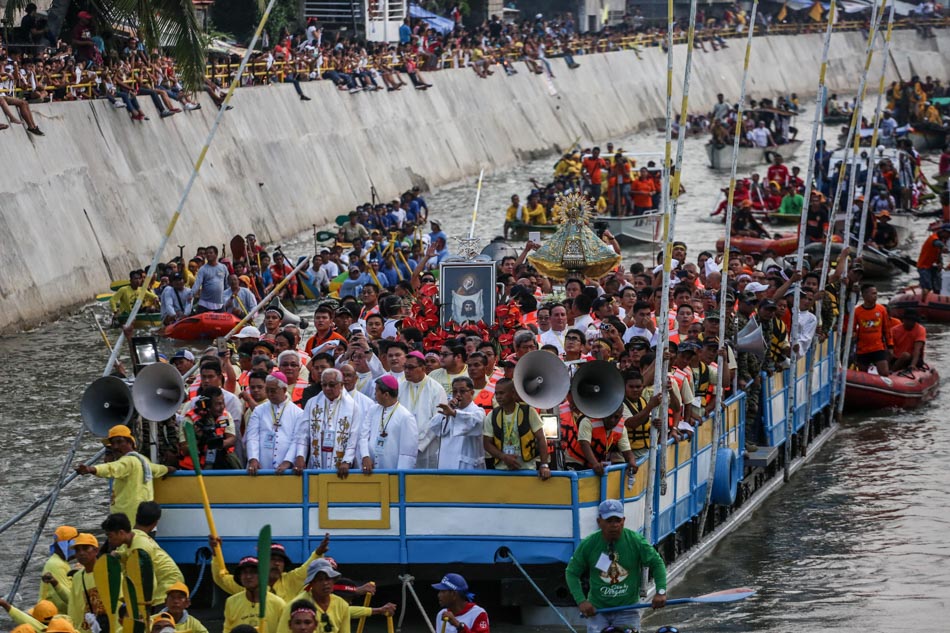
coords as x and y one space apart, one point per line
106 403
597 389
541 379
158 391
750 339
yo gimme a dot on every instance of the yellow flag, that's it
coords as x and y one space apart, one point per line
783 12
815 13
606 16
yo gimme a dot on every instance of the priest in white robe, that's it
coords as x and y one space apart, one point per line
458 426
333 425
362 402
276 434
422 395
389 438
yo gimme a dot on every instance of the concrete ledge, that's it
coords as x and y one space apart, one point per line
92 198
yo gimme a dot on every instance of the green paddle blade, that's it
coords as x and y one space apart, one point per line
263 567
131 599
147 576
192 446
107 575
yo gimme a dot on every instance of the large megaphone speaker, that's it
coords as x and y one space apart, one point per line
597 389
106 403
750 339
541 379
158 391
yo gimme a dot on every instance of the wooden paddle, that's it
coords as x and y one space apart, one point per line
139 587
107 575
238 248
263 574
193 453
717 597
366 600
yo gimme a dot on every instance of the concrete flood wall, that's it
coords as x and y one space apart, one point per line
92 198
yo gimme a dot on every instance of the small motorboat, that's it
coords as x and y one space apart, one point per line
633 229
206 325
720 157
926 136
784 218
142 320
907 389
520 230
935 308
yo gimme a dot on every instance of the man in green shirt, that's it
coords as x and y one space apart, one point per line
612 559
792 203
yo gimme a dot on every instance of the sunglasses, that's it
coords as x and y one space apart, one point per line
328 627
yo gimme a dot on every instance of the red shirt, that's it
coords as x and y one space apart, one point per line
778 173
905 339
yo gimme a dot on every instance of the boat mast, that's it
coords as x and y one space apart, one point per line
724 267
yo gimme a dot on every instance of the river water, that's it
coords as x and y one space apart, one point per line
855 542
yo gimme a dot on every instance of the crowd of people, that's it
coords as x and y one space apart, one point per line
85 63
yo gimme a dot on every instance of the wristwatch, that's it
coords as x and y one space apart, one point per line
661 592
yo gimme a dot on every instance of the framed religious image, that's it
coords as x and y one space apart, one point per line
468 291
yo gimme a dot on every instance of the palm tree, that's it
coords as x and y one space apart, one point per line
166 24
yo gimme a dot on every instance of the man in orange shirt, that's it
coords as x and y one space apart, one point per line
594 167
873 333
909 340
929 261
643 189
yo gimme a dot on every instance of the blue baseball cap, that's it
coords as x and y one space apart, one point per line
451 582
610 508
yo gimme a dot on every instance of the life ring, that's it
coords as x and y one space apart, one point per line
726 478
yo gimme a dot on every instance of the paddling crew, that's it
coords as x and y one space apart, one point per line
331 611
459 613
283 581
273 317
131 473
244 607
56 581
873 333
210 282
124 541
176 299
276 432
177 601
84 597
121 302
611 559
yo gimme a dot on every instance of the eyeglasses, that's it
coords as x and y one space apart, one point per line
572 338
461 391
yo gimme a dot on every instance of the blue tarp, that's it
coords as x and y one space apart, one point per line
440 24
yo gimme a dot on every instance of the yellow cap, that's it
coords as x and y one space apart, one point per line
182 587
23 628
163 616
86 539
44 610
60 624
121 430
66 533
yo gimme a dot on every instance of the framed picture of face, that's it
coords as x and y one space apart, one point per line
468 292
